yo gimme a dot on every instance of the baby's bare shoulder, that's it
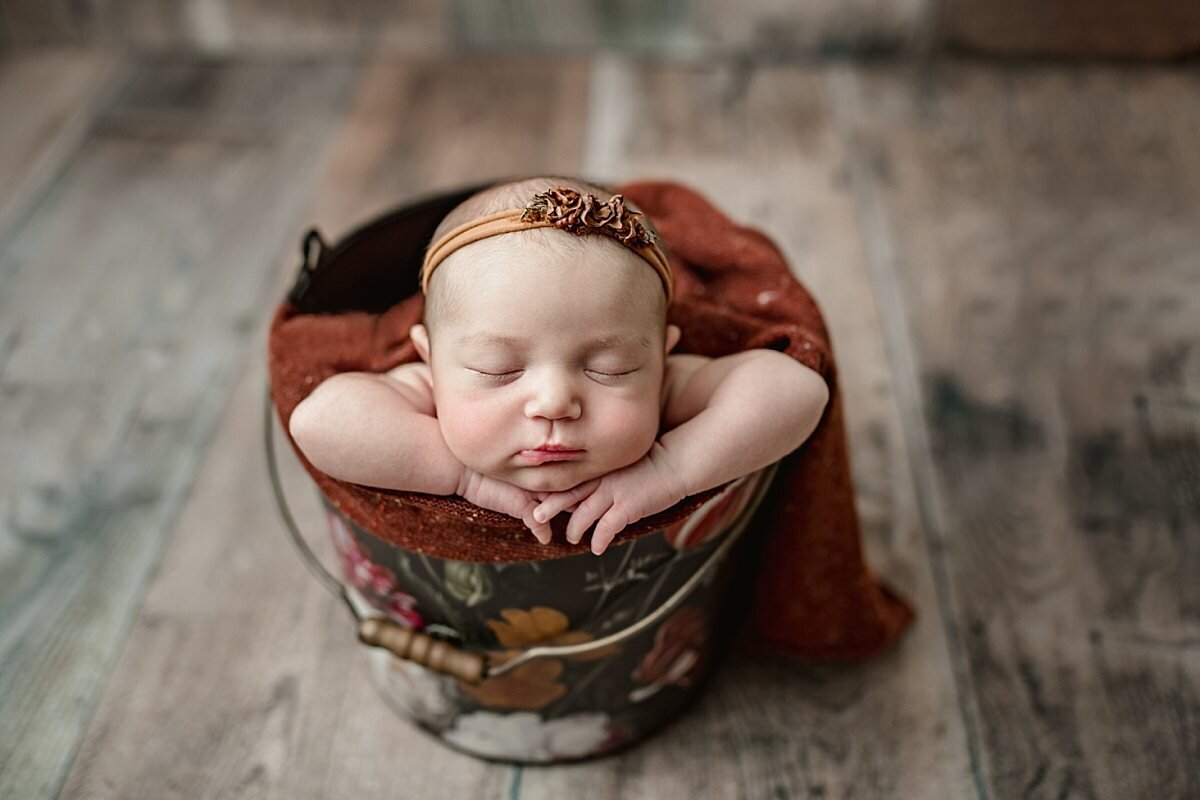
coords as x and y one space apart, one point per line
691 380
415 382
679 368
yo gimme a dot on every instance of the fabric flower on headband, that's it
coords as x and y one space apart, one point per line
584 213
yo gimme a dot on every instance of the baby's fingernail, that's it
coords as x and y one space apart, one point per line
539 515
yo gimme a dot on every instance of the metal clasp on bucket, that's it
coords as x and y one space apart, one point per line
468 666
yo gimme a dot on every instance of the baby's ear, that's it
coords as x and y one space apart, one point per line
420 340
673 334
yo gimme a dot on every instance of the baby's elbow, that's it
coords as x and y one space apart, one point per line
806 391
310 428
302 425
803 383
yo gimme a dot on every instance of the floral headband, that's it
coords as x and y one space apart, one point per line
565 208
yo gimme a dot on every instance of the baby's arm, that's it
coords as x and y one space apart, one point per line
730 416
377 430
727 417
381 430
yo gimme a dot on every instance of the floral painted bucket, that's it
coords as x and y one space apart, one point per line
527 661
555 707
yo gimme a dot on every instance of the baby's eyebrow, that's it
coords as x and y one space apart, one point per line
489 338
602 342
598 343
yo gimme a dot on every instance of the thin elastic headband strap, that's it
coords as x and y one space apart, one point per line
559 208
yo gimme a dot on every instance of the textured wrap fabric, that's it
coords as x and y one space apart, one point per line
813 594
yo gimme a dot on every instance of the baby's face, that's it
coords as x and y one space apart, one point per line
547 349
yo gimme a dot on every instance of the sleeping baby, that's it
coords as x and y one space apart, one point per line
546 382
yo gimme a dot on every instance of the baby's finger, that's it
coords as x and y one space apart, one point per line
524 511
588 512
558 502
541 531
607 529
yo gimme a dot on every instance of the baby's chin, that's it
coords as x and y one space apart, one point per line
551 477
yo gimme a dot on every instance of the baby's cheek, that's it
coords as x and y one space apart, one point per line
632 427
470 431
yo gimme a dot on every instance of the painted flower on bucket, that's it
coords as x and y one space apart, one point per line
677 658
525 736
714 517
413 690
373 580
535 684
467 583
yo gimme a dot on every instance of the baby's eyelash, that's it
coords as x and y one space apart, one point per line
613 374
499 375
495 374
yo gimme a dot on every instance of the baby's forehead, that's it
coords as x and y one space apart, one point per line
575 281
499 260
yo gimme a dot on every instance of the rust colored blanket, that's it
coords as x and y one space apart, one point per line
814 595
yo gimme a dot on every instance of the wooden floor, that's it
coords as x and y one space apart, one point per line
1009 261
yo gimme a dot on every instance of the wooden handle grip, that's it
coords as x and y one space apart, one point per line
417 647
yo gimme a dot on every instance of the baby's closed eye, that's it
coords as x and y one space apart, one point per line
494 373
616 373
606 372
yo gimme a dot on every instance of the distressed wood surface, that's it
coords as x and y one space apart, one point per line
1042 237
48 99
693 30
687 29
129 299
242 677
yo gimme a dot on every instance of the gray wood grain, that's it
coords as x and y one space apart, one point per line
241 677
129 299
677 29
770 727
48 99
694 30
1040 226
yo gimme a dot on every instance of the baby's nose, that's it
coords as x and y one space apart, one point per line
553 399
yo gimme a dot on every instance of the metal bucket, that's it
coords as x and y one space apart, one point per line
533 661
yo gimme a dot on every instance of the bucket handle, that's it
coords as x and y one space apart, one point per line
443 657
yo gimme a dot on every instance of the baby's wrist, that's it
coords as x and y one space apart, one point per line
681 482
464 480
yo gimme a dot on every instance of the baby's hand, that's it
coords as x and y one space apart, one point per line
504 497
617 499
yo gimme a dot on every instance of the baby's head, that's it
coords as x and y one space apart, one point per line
544 337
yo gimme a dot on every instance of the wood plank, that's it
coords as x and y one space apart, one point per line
1040 226
688 29
129 300
241 676
779 29
412 27
48 99
761 145
222 26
